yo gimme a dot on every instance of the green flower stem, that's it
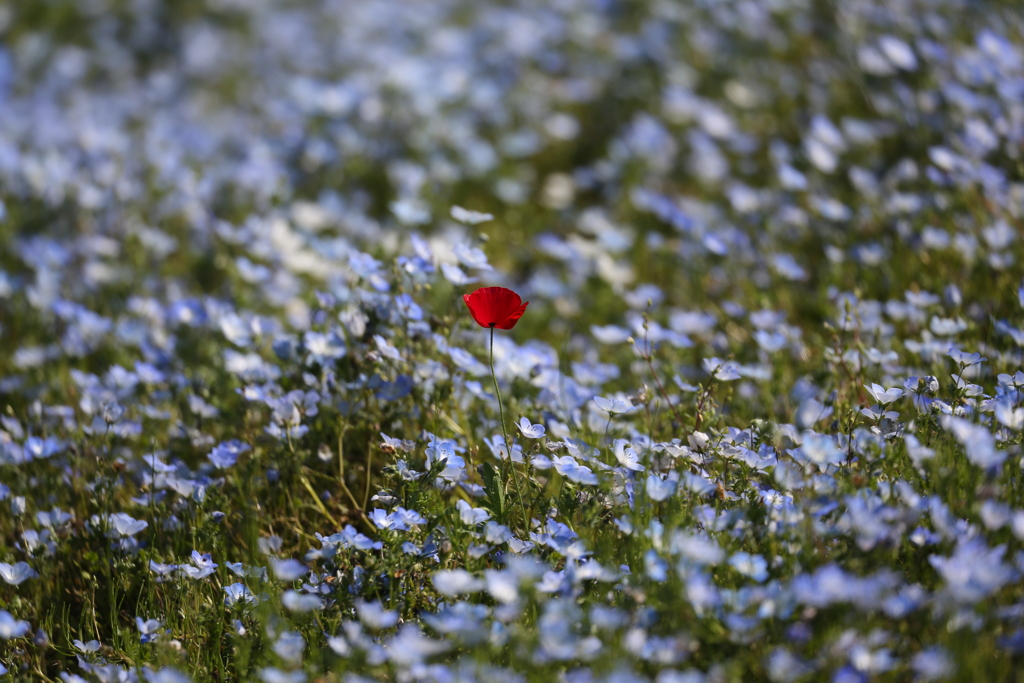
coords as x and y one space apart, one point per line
508 443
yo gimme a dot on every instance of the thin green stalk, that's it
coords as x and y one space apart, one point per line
504 432
369 471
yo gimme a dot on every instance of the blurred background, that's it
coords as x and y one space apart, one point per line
773 152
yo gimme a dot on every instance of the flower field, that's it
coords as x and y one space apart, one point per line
675 341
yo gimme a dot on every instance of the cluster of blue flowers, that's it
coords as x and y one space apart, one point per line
767 403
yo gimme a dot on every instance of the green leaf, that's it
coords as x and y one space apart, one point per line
494 487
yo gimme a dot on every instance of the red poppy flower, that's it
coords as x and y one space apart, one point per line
495 307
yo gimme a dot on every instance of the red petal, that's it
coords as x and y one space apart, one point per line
495 307
511 320
473 310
